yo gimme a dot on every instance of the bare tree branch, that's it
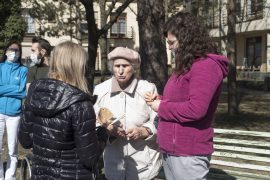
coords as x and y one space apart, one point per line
118 11
133 11
111 7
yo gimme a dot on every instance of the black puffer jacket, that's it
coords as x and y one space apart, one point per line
58 122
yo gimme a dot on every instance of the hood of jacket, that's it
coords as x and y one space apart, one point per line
222 61
47 97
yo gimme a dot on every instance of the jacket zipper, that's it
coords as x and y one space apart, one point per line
174 137
125 109
127 154
9 77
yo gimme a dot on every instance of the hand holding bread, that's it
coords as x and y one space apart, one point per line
105 117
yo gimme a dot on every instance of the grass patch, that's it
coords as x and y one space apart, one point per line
254 110
256 85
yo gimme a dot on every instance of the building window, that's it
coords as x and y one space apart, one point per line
29 21
238 10
84 27
253 52
256 6
119 28
255 9
210 13
83 23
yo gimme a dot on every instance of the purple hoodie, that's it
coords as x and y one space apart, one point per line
187 108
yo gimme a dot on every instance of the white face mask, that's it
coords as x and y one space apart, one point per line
34 58
12 57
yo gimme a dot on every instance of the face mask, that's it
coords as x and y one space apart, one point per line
34 58
12 57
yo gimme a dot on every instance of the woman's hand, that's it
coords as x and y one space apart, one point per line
137 133
153 100
154 105
116 131
149 97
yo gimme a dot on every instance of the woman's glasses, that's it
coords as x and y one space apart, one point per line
13 49
171 42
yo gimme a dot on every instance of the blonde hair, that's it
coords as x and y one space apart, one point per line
68 64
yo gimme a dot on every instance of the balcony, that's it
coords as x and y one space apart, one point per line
253 10
126 33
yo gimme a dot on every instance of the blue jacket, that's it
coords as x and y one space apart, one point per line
12 87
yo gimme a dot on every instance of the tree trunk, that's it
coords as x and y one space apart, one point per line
78 33
94 34
194 8
231 49
92 42
103 52
151 17
103 40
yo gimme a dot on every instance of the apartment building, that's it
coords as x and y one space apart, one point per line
124 31
252 31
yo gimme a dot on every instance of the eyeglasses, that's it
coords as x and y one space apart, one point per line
13 49
171 42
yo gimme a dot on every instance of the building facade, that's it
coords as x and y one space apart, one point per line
124 31
252 30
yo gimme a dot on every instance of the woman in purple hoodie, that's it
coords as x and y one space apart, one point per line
186 109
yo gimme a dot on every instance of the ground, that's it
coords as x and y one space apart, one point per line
254 113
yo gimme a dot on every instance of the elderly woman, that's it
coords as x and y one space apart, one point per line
131 152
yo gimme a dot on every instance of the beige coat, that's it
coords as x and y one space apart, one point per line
123 158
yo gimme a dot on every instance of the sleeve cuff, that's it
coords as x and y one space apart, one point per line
152 129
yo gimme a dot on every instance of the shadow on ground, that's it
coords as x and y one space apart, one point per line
218 174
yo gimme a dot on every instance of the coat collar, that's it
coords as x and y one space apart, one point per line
14 64
115 88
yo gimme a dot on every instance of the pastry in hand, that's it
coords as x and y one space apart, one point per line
105 116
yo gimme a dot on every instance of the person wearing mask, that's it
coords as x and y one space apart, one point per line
12 90
59 121
39 67
132 152
190 98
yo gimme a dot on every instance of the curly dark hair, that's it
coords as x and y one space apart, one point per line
193 39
